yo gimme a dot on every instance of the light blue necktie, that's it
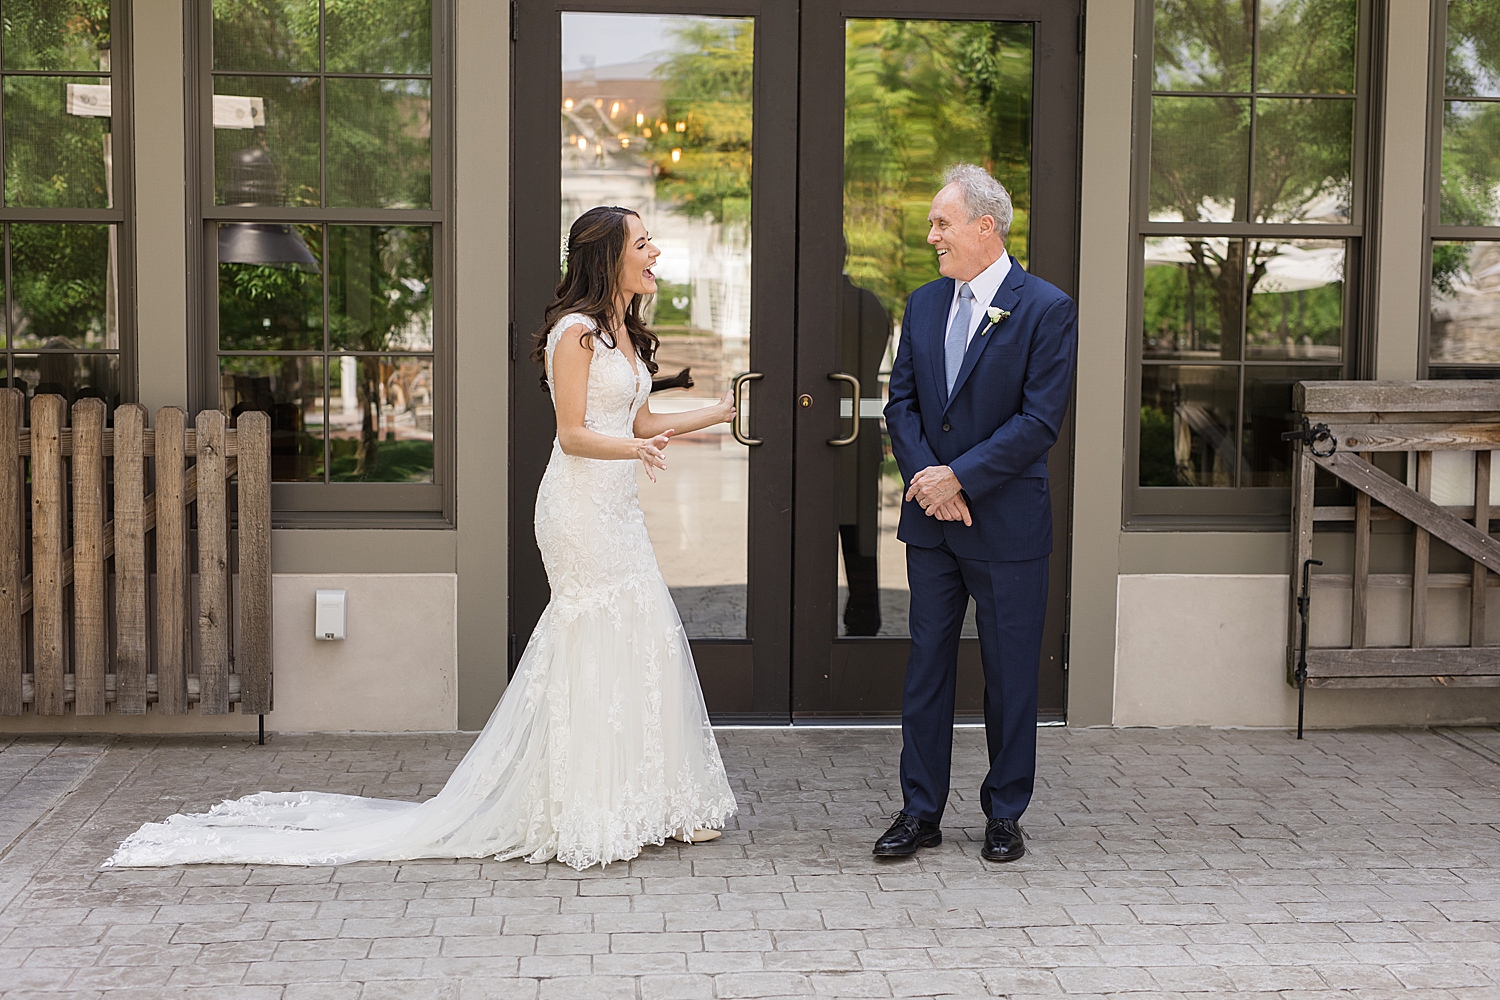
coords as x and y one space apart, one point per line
958 333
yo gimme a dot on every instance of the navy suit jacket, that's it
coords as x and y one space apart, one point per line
994 431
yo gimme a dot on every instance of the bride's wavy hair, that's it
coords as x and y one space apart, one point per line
591 279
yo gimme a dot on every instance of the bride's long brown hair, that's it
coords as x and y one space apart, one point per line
590 284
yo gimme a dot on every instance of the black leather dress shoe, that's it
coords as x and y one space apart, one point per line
1002 841
907 834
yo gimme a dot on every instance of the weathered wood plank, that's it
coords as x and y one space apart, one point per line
132 657
1303 510
1360 607
1418 437
1421 555
12 552
1415 508
1400 660
1432 681
49 520
1400 581
111 687
23 441
255 641
173 640
1396 397
90 629
213 565
1477 596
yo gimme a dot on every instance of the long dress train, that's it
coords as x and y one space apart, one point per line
601 743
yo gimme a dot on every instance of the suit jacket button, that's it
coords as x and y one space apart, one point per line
947 426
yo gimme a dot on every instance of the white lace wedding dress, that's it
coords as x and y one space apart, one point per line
601 743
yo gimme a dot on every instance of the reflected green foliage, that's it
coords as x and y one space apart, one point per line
1307 46
1158 464
1472 67
918 97
380 288
1278 322
266 307
1183 311
1471 163
397 462
1450 264
59 285
52 159
1200 149
1303 155
282 154
708 86
266 35
1203 44
290 389
379 143
55 34
384 36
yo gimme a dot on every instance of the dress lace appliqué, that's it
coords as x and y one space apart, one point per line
601 743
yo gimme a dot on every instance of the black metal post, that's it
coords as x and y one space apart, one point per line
1304 603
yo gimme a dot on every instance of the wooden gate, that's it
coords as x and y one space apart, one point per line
1345 425
80 620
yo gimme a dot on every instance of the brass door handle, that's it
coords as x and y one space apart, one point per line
854 432
736 386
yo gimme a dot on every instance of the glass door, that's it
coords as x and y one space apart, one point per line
993 84
663 110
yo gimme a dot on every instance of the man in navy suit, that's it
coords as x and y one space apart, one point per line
978 394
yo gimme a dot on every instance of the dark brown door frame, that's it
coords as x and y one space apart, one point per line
842 678
743 679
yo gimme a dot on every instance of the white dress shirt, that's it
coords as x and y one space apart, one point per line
984 286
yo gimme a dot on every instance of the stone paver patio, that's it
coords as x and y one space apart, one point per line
1163 863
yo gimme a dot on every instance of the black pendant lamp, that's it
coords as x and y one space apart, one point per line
253 181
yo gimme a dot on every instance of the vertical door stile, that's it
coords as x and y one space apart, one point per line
90 642
213 567
1421 550
49 519
173 640
12 552
131 654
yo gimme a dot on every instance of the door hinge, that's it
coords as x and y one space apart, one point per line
513 14
1082 24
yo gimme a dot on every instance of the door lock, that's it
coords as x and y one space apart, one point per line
804 400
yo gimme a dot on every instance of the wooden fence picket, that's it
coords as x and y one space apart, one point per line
132 657
254 605
12 551
173 640
49 520
90 637
213 567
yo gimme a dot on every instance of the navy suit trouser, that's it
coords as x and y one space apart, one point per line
1010 606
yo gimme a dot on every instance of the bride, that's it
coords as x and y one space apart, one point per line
601 743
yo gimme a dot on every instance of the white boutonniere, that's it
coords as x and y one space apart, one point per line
995 315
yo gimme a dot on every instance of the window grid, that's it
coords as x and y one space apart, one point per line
332 495
1182 504
106 372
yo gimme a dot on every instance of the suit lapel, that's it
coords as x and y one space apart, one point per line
937 326
1007 297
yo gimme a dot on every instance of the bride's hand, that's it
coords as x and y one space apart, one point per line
726 407
652 452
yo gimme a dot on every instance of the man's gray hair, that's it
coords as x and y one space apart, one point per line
983 195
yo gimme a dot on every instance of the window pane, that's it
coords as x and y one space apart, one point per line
380 427
380 143
1203 45
1473 68
270 287
1290 63
56 144
1192 296
1200 149
56 34
379 36
1465 304
380 288
266 141
1188 420
1296 292
266 35
72 376
1268 413
1471 163
63 286
1304 152
290 389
